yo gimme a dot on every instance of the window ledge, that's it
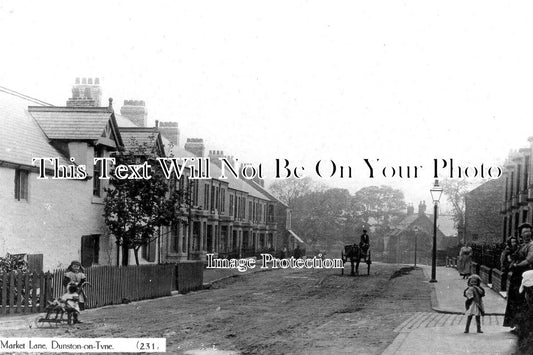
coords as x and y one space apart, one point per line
98 200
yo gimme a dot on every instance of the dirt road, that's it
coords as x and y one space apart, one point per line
282 311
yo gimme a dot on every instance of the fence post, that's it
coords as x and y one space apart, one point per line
34 279
42 302
18 290
11 292
27 293
4 293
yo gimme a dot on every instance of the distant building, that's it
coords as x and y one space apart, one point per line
517 195
413 235
483 221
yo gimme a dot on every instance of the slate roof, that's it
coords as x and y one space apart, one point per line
21 138
136 138
237 184
422 221
72 123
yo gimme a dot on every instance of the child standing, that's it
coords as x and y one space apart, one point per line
474 302
75 276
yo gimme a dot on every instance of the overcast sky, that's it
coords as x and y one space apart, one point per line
402 81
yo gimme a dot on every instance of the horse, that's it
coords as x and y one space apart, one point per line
354 253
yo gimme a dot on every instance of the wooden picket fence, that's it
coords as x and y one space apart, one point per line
29 293
24 293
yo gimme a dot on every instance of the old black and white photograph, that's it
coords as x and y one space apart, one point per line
253 177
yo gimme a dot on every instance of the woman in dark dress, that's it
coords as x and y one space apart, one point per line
516 303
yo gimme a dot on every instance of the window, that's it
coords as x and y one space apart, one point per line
526 173
206 196
21 185
518 174
174 237
90 250
231 205
212 198
222 200
148 251
97 186
506 187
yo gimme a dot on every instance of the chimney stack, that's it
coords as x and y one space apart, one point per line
135 111
170 131
85 94
410 209
422 208
195 146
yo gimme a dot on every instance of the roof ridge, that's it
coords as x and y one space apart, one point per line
67 109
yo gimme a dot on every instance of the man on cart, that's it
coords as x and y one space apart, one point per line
364 244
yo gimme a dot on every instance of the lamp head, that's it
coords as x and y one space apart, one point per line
436 192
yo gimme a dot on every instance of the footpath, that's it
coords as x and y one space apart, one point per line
442 331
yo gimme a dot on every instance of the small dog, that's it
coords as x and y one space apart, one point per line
57 306
60 307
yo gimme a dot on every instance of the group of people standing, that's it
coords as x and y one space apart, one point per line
517 257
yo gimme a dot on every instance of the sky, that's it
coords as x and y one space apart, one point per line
404 82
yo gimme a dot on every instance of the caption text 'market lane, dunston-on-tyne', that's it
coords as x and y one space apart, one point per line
199 168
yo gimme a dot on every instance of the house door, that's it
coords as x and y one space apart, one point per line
90 248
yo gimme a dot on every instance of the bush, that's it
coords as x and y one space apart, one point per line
12 262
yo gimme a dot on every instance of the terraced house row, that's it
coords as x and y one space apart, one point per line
55 221
517 190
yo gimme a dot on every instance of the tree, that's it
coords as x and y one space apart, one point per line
455 191
381 205
325 217
135 209
288 190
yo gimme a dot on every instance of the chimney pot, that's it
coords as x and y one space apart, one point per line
77 81
90 81
84 81
97 81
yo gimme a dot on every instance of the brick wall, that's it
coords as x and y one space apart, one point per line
475 268
483 221
496 280
485 274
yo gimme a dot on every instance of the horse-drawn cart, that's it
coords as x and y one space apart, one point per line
354 253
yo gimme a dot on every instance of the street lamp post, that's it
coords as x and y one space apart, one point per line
436 192
416 237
